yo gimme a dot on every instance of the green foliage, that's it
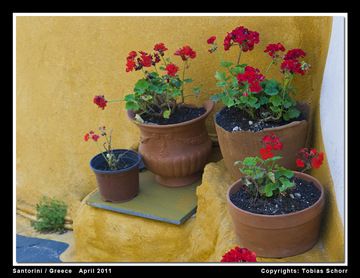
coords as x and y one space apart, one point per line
291 113
271 87
166 114
226 64
157 92
141 86
221 76
237 69
265 177
272 103
50 215
155 95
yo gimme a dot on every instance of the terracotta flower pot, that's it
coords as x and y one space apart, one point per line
240 144
278 236
176 153
117 185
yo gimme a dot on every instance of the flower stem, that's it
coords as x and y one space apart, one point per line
287 81
238 60
269 66
102 153
305 169
162 58
183 78
115 100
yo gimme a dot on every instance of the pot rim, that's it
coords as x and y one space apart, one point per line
208 103
268 129
299 174
136 164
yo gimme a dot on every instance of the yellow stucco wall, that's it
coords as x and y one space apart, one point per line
62 62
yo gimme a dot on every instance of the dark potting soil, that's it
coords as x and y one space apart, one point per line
122 164
180 115
233 119
302 196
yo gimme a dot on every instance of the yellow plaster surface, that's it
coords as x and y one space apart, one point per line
62 62
104 236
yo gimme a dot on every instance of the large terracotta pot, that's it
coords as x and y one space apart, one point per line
117 185
240 144
176 153
278 236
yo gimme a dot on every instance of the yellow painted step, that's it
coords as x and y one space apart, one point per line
105 236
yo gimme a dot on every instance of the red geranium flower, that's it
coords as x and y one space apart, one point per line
317 161
130 61
171 69
273 48
130 65
309 158
160 47
95 137
313 152
131 55
227 42
146 59
185 53
300 163
211 40
86 137
253 77
273 141
294 54
266 152
243 36
100 101
238 255
292 66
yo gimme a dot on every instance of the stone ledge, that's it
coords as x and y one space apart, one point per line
105 236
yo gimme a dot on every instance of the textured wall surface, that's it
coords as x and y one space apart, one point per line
62 62
105 236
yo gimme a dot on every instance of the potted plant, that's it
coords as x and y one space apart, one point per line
277 212
255 104
116 170
174 141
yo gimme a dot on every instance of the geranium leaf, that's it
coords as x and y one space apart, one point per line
220 76
166 114
226 64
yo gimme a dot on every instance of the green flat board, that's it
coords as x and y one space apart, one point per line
171 205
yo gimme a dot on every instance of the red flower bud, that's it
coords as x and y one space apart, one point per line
95 137
211 40
100 101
